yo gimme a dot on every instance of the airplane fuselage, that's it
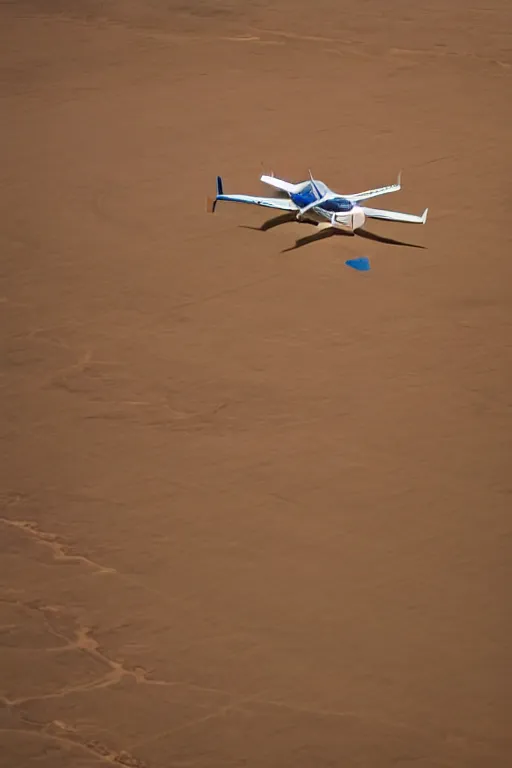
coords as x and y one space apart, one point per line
339 211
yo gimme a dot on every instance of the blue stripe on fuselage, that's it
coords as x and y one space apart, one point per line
303 198
334 205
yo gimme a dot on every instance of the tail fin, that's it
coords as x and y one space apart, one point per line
211 202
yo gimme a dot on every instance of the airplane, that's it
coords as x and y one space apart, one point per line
321 204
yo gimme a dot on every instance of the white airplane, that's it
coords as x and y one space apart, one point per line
321 204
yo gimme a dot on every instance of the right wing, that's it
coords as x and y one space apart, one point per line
376 213
284 186
376 192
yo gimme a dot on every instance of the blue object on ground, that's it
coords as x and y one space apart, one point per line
362 264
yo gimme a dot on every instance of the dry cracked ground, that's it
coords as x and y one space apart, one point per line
255 506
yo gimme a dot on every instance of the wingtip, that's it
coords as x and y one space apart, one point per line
424 217
399 180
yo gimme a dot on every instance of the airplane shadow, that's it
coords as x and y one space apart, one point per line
314 238
323 234
365 233
276 221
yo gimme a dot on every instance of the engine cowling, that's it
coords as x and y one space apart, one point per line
351 221
358 217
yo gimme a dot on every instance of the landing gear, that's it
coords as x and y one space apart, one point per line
300 220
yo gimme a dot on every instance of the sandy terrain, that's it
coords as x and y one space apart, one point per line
255 505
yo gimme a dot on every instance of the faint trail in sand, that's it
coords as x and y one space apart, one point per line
305 38
51 541
81 640
61 731
102 755
117 671
351 44
59 552
256 36
447 54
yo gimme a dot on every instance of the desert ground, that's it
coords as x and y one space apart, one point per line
256 506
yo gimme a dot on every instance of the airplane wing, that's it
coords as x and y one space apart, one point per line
267 202
285 186
376 192
376 213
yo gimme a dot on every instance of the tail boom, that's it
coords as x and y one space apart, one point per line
267 202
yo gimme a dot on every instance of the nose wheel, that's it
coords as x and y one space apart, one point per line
301 220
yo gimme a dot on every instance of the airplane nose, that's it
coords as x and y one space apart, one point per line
358 217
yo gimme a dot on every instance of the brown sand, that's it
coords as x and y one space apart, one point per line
256 506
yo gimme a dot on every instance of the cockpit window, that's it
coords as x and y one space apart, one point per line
338 205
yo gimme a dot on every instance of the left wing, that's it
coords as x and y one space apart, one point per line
267 202
376 213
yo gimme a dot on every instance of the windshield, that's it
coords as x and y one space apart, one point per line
338 205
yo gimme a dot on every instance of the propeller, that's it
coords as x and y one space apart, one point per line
319 201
